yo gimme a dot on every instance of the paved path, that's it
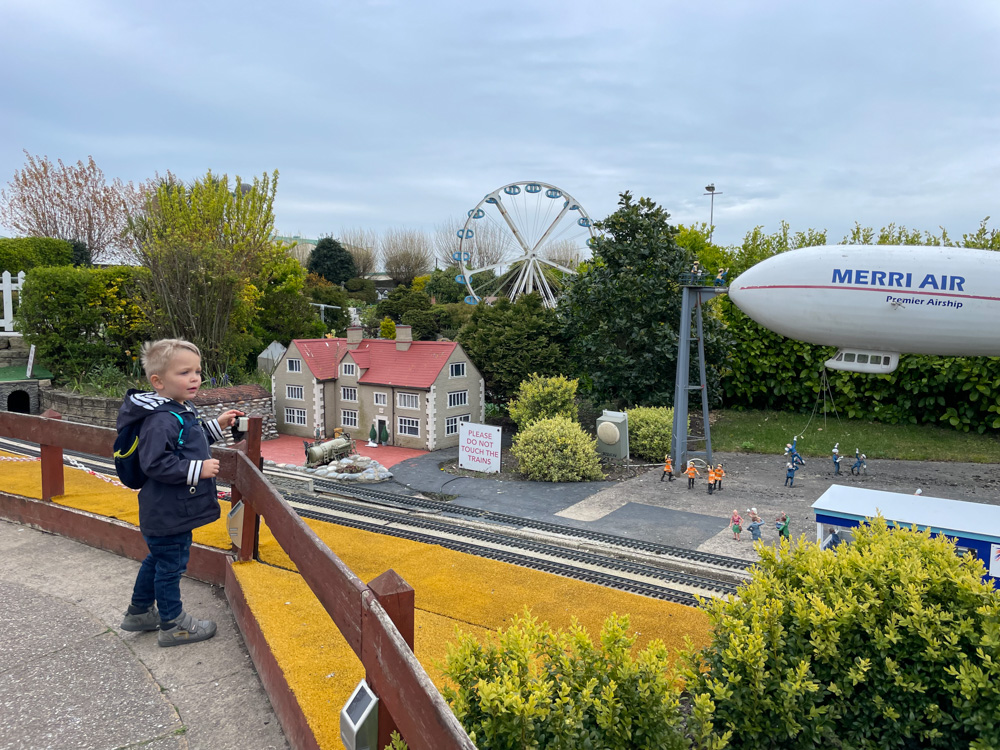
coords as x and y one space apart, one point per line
70 678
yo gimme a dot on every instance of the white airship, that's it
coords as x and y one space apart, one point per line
874 302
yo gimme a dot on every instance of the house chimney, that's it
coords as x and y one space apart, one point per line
404 337
354 336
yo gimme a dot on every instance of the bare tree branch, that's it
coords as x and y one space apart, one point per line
363 245
407 254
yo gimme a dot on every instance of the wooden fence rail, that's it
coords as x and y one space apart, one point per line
407 697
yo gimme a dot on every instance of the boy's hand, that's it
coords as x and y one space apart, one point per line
227 418
210 468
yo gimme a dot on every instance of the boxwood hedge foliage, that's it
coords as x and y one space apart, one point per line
890 641
557 450
80 318
24 253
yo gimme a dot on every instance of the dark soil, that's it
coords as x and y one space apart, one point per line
614 470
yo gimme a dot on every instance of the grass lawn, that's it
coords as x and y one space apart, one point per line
769 431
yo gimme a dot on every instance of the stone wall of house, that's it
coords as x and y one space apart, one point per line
103 412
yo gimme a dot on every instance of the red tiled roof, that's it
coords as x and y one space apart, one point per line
381 361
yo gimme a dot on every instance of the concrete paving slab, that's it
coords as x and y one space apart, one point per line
43 625
93 694
211 688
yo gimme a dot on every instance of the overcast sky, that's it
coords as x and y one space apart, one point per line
384 113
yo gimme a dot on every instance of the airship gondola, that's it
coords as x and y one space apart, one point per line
875 302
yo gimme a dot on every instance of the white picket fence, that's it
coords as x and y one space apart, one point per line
8 285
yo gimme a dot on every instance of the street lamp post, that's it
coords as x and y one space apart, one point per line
711 215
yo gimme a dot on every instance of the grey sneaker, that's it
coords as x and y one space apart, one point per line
148 620
185 629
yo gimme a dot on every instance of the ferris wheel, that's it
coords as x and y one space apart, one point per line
523 237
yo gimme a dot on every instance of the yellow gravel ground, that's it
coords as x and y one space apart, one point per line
452 589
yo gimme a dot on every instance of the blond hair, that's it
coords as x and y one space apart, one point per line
156 355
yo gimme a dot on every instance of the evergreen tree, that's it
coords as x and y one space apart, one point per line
508 342
330 260
620 315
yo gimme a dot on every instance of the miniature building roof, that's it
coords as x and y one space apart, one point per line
949 517
382 363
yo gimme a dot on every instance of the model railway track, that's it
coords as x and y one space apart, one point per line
398 520
404 501
564 569
443 533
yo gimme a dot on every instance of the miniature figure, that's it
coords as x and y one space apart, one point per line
736 524
755 523
790 470
860 464
720 278
834 539
711 478
781 524
668 468
836 459
793 454
719 476
691 472
696 269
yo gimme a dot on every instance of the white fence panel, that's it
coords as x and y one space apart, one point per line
8 285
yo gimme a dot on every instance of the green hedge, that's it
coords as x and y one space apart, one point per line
24 253
768 371
81 318
890 641
543 398
649 431
557 450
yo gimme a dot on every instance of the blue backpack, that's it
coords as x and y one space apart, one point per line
126 453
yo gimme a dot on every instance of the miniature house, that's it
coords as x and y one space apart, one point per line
417 392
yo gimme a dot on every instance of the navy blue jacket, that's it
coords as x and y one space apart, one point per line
174 498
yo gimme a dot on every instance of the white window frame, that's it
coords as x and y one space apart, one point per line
295 416
348 369
294 365
292 389
400 427
384 398
451 370
401 405
451 423
457 399
346 391
349 418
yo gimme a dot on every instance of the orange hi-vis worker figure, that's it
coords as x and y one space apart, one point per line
668 468
719 476
711 478
691 472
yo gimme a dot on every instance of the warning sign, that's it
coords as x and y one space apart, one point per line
479 447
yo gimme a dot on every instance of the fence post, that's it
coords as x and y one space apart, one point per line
53 482
251 520
397 599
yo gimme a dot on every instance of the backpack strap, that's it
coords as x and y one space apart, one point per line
180 435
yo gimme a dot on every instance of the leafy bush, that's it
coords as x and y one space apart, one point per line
79 318
362 289
891 641
649 431
543 398
25 253
538 688
387 329
557 450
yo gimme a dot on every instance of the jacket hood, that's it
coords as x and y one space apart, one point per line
140 404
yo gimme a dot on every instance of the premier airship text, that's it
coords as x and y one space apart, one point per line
898 279
930 301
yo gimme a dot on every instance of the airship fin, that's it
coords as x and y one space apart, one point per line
866 361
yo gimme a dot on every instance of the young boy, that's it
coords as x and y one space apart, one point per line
179 494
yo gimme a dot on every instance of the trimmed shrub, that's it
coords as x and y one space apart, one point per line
891 641
543 398
538 688
649 431
557 450
387 329
79 318
362 289
24 253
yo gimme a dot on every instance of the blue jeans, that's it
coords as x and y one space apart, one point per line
160 574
